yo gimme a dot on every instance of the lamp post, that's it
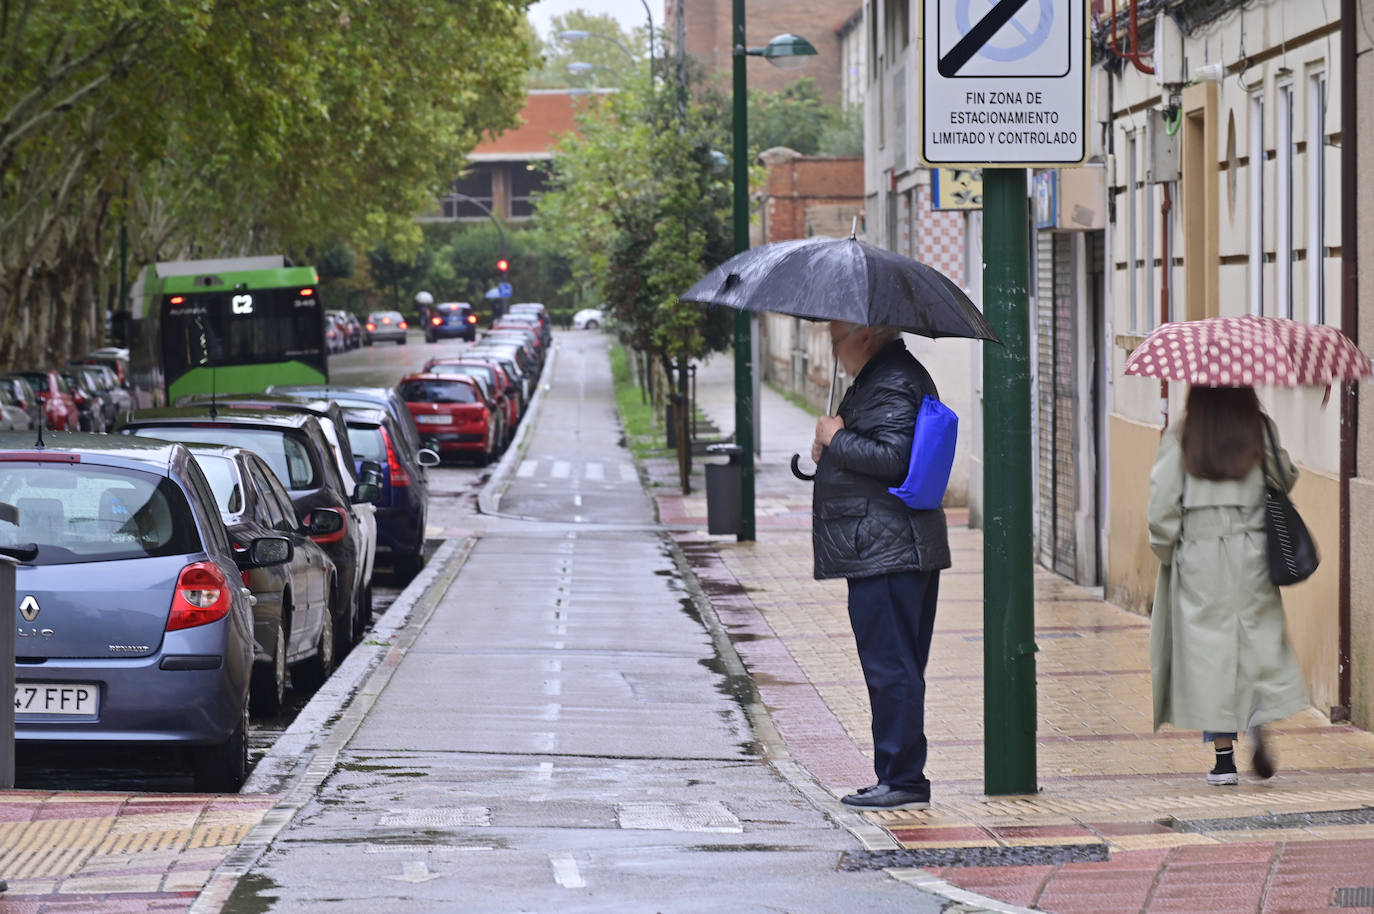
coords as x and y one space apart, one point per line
788 52
500 233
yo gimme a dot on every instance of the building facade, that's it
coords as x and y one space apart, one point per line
706 27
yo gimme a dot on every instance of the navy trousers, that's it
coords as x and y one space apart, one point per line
893 616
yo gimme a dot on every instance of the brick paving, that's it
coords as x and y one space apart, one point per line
1106 780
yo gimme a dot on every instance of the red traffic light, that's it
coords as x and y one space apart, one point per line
502 265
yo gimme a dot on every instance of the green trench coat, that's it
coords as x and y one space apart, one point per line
1219 652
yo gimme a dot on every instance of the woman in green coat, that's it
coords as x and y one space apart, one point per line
1219 650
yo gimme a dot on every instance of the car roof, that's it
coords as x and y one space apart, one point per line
107 449
181 415
431 376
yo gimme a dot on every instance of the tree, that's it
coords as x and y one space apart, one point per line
215 128
610 50
798 118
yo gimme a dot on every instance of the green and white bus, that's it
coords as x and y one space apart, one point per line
230 326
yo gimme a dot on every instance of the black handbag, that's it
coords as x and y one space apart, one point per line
1292 552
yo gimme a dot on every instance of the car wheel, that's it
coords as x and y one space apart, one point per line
268 689
591 325
429 337
367 342
364 617
224 767
344 626
401 341
311 673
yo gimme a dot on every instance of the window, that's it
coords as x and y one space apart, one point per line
1316 198
1148 226
1256 169
1283 204
896 26
224 481
1132 229
286 452
475 185
527 182
91 513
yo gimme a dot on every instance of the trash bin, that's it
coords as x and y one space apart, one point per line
723 490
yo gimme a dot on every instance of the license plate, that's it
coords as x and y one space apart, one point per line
434 420
55 698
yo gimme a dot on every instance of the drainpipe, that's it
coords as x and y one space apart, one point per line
1350 323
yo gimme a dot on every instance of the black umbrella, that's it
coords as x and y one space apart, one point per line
843 279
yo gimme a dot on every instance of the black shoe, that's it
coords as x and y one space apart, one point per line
1263 758
883 797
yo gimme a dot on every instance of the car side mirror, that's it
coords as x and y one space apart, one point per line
370 471
427 457
265 551
366 492
323 523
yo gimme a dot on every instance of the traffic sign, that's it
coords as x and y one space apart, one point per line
503 290
1004 82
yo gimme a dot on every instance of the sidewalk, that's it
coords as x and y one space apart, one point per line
1123 819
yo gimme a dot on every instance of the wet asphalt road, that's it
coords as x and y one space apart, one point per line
561 733
164 770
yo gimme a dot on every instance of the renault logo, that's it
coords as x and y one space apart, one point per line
29 608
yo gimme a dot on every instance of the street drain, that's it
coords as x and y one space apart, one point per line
711 816
1360 897
1362 816
1028 855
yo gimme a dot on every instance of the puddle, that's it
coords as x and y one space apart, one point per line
252 895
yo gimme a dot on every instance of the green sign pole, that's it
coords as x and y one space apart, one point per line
1008 585
744 336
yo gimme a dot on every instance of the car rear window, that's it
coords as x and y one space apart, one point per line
437 392
223 477
286 451
88 513
451 307
367 442
476 371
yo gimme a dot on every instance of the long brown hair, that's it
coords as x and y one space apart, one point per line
1223 432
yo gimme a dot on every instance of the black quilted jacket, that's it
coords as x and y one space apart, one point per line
858 528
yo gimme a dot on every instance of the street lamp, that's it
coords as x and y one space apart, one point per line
788 52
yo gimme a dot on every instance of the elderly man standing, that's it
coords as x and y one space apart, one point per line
890 554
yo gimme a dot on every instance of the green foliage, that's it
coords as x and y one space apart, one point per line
218 128
641 213
797 117
642 434
463 263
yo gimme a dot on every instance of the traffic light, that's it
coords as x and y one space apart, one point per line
502 266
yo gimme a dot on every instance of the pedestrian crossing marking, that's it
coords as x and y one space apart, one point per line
594 472
527 469
561 469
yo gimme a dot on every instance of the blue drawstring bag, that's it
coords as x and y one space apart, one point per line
932 456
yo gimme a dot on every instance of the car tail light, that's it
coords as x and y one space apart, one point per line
326 538
436 321
399 477
202 597
402 325
472 318
371 326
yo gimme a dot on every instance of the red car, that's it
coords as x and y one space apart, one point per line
502 384
450 413
60 411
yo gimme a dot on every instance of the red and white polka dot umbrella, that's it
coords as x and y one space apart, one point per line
1248 351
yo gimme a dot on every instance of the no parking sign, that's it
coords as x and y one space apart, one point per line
1004 82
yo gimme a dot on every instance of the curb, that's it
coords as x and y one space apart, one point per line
306 753
489 498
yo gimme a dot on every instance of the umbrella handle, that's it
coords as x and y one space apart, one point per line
797 470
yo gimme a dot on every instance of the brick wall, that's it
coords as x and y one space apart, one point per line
708 25
808 195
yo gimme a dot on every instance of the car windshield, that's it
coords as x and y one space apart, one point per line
286 451
78 513
437 392
223 477
450 307
367 442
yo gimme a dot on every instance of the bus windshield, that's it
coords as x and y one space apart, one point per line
250 327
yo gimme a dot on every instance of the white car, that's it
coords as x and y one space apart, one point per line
588 319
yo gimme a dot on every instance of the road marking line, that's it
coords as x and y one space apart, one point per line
553 687
627 473
527 469
561 469
565 871
545 771
595 471
577 500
